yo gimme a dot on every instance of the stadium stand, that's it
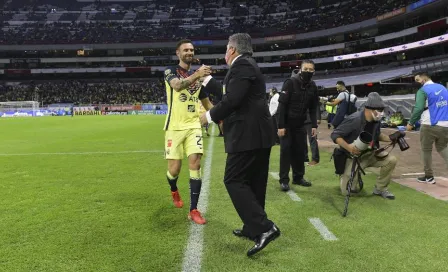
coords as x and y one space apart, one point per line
79 92
104 24
30 22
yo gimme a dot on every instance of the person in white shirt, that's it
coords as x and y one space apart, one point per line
273 106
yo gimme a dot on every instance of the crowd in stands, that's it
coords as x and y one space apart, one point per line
209 20
110 92
163 5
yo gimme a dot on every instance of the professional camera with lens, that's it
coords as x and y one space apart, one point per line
364 141
398 138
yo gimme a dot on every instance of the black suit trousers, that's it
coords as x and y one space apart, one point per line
246 178
314 146
275 122
292 149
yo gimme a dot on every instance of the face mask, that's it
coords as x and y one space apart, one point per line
227 57
306 76
377 116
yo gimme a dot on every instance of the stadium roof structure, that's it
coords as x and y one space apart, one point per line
359 79
382 77
432 67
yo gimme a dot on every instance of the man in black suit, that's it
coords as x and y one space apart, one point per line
248 139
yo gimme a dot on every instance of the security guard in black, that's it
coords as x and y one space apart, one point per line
299 94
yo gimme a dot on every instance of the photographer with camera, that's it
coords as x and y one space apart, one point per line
359 136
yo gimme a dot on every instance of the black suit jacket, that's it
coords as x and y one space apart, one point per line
244 109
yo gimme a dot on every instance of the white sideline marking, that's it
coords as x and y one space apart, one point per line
193 251
291 193
293 196
412 174
82 153
322 229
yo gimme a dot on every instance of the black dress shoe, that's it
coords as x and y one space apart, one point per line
284 187
264 239
302 182
240 233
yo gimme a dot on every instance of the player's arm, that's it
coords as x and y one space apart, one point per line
420 103
182 83
338 100
179 84
334 103
206 103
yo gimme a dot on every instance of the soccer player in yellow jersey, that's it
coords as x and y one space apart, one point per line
183 132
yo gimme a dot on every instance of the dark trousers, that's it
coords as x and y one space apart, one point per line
330 119
246 178
429 136
292 147
313 145
274 120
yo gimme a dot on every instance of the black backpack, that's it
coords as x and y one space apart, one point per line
351 106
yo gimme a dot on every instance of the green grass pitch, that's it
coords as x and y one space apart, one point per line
73 198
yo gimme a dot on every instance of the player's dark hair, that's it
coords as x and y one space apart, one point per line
183 41
307 61
340 82
423 74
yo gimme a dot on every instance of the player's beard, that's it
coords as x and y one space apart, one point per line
188 59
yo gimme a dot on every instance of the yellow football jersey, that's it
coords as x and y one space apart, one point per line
183 111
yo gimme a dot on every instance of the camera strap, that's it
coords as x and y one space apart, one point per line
375 134
385 147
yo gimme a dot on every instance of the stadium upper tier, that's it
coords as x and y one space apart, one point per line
97 22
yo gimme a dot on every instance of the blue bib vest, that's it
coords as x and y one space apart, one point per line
437 102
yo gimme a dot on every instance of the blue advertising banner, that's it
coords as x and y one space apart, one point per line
420 4
150 107
24 113
202 42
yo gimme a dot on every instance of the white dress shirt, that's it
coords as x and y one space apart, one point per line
273 104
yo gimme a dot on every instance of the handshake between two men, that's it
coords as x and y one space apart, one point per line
213 88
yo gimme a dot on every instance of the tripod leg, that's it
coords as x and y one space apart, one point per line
361 183
360 172
349 186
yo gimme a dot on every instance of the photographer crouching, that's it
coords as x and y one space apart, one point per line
359 136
